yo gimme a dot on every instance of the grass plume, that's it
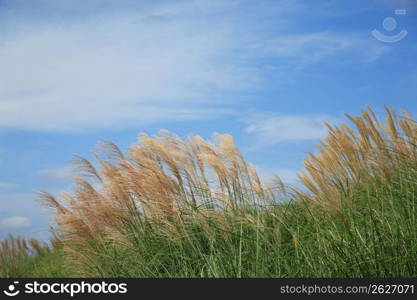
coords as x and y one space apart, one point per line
173 207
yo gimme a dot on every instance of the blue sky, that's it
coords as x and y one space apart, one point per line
73 73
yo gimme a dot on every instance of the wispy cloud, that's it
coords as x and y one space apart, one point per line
153 63
287 175
301 50
15 222
269 130
63 174
21 213
116 70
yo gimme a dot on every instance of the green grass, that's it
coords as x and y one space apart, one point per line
156 218
374 236
47 265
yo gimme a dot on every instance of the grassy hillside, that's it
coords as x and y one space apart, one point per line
191 208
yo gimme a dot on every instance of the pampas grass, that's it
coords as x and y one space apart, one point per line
173 207
16 251
349 156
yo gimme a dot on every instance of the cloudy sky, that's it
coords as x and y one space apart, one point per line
73 73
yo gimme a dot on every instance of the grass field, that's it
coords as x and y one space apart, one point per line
191 208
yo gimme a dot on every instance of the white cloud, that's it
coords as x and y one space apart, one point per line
305 49
116 71
63 174
152 63
15 222
8 185
271 130
287 175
